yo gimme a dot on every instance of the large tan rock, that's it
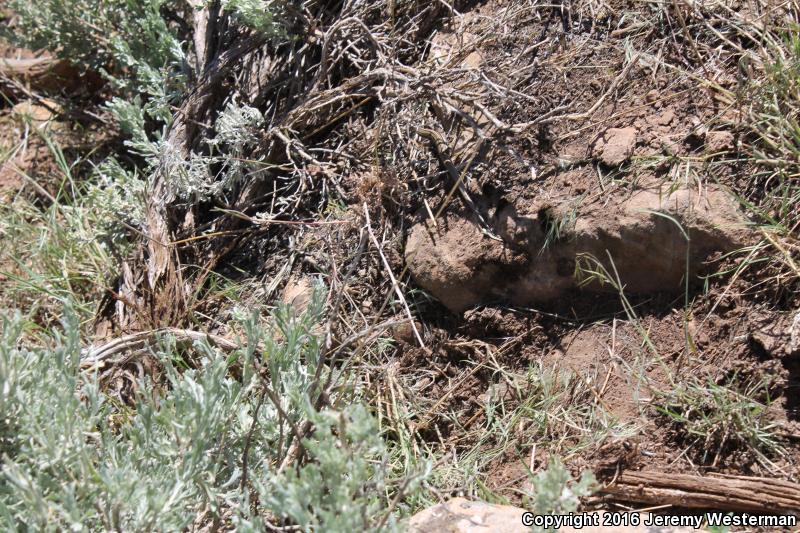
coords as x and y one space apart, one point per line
463 516
458 264
645 239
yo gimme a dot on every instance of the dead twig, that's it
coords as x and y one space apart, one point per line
395 285
139 342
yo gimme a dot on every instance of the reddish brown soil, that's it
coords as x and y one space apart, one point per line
642 132
24 129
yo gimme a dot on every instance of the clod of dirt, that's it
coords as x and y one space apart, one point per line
404 332
459 265
496 322
642 239
616 146
777 336
719 141
459 515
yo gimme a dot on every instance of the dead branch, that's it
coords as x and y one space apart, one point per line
728 493
20 77
142 341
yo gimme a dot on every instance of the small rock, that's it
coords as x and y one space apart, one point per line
778 335
665 118
719 141
618 145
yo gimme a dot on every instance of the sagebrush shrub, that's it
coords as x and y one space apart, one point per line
555 491
127 40
75 458
147 62
256 14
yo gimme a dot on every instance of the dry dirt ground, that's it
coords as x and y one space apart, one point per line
639 178
567 186
594 232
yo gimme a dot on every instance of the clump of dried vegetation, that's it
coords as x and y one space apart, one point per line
151 382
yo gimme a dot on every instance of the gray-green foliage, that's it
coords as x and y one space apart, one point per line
229 151
330 494
142 55
76 459
131 43
115 195
256 14
555 491
131 117
128 40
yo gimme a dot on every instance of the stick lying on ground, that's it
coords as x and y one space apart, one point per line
724 493
20 77
131 345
